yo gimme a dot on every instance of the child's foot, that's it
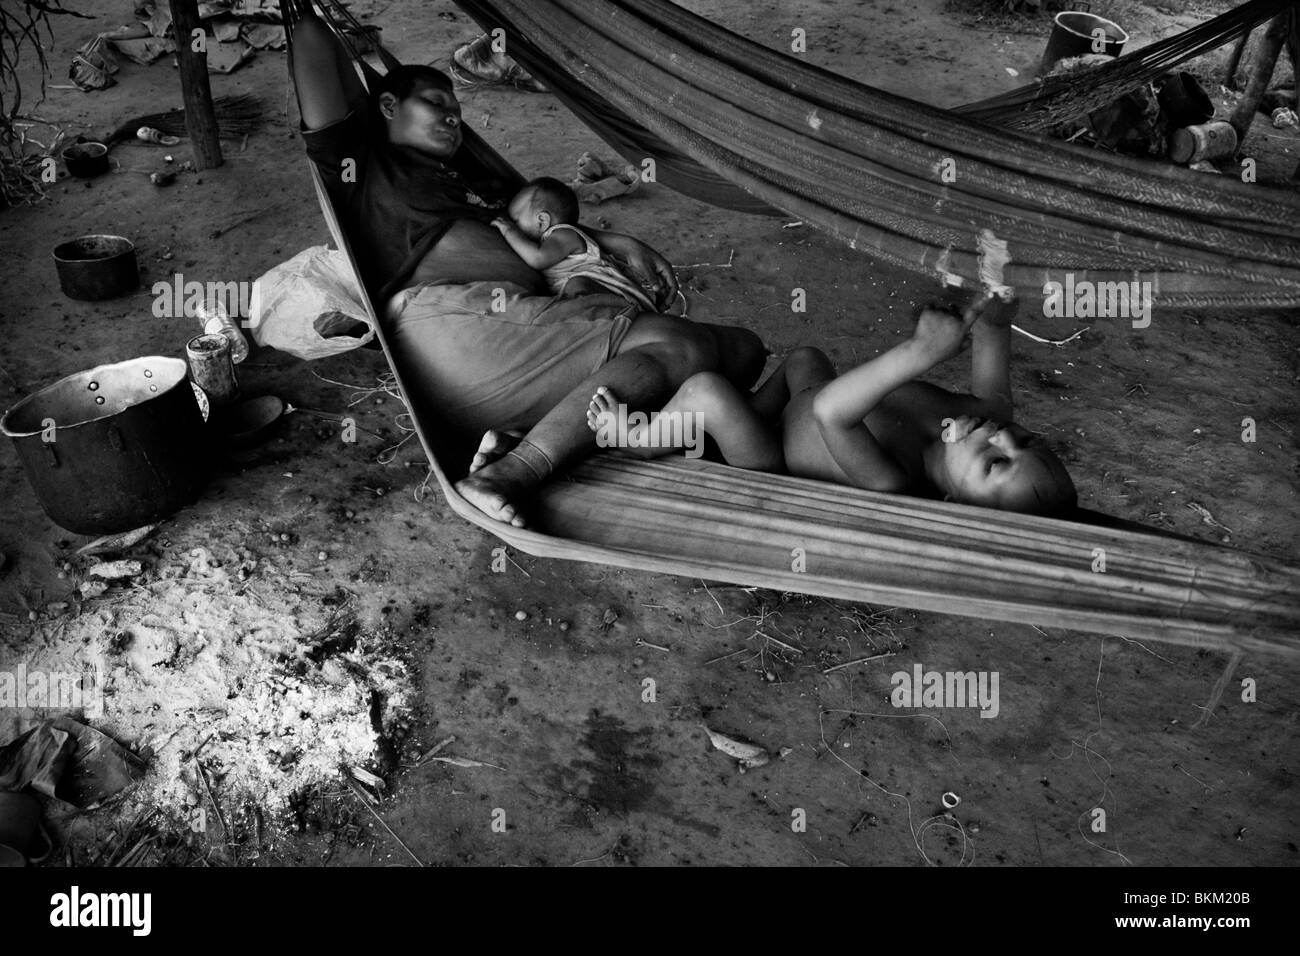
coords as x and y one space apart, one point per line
602 410
603 416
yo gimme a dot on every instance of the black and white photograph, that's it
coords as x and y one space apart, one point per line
650 433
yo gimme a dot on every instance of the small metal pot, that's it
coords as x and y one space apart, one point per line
96 267
86 159
115 447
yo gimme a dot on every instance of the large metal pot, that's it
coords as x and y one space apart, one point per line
115 447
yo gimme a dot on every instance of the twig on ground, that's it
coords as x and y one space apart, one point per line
860 660
355 788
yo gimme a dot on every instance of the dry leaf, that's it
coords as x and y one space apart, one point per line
117 542
749 755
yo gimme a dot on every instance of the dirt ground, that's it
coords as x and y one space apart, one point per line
583 770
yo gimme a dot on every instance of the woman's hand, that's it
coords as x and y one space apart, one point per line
643 261
657 270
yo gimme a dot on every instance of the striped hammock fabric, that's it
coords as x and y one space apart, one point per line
737 125
723 524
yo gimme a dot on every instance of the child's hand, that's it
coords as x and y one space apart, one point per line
939 333
996 311
502 224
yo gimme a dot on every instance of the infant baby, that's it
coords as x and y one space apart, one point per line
542 229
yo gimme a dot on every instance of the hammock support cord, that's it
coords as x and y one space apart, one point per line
876 182
706 520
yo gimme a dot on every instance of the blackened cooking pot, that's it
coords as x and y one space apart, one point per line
115 447
92 268
86 159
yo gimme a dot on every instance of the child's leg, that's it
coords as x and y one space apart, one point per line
705 404
802 369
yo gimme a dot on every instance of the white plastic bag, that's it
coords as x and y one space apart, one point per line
310 306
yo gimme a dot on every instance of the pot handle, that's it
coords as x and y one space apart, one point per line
115 438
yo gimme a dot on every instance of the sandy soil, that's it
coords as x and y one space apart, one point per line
584 768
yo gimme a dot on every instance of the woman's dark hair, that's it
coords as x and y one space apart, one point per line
403 80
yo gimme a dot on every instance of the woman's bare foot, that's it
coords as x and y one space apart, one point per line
495 444
496 488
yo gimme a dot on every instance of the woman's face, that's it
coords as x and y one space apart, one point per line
428 119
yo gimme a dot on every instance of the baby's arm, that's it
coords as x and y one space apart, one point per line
990 370
539 255
840 407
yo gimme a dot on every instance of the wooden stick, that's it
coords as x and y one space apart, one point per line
1234 61
196 91
225 830
1261 71
1220 686
356 791
860 660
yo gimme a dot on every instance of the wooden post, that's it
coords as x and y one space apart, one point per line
1261 72
1234 60
200 116
1293 50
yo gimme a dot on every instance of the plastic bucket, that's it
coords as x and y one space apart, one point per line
1075 33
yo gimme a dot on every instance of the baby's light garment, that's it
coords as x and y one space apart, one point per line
589 263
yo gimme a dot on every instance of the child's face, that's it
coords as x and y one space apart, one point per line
1002 466
527 215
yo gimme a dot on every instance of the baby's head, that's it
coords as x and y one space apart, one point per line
541 204
996 465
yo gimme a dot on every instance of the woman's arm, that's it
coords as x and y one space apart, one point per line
642 259
323 75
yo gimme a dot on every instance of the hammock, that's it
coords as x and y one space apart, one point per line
715 522
1056 99
868 166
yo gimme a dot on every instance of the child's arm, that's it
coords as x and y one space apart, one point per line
840 407
991 357
539 255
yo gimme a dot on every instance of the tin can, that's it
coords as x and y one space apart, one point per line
1206 141
211 367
